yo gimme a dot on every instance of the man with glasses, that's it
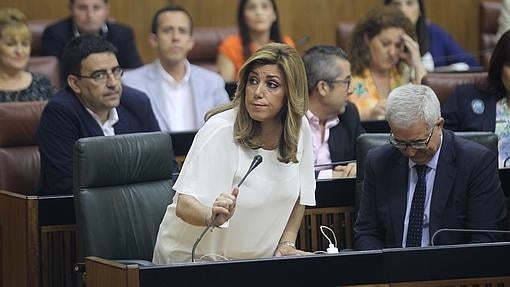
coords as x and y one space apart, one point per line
94 103
334 121
426 179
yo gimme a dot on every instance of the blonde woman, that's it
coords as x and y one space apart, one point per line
263 216
16 84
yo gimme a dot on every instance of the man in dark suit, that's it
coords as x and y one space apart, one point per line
426 179
94 103
90 17
334 121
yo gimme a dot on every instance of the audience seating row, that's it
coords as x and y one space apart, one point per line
207 40
489 14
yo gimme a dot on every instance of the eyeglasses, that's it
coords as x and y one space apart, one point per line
101 76
346 82
417 145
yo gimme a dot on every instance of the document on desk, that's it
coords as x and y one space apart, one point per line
325 171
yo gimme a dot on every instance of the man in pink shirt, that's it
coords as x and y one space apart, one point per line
334 121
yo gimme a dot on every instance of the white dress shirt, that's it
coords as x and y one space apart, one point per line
177 101
107 126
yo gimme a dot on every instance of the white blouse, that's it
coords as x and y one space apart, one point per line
215 164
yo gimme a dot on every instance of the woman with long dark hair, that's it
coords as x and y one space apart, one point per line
484 106
437 47
258 26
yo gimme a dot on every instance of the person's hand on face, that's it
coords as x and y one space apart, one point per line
410 51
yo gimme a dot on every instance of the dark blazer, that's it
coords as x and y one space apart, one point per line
466 194
57 35
342 137
65 120
470 109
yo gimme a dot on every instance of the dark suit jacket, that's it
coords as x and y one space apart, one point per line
466 194
342 137
459 114
56 36
65 120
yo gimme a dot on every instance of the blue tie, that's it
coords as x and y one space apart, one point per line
415 226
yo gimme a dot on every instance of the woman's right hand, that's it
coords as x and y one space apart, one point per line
411 53
224 207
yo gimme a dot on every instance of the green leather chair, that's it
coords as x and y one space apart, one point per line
122 187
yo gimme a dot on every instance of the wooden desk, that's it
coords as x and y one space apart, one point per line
37 240
430 266
334 209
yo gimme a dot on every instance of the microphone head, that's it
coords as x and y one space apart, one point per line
256 161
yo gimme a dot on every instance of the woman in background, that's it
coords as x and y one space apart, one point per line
437 47
485 106
258 25
384 55
16 84
266 118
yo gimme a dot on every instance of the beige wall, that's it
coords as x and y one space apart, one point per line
299 18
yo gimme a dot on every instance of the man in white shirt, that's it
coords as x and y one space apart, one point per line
180 93
93 103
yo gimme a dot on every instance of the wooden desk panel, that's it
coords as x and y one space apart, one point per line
334 209
37 241
339 219
18 240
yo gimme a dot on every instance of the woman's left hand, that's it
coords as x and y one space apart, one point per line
411 54
286 250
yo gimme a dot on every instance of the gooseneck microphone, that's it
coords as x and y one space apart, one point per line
465 230
254 163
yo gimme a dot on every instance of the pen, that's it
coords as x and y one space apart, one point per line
335 163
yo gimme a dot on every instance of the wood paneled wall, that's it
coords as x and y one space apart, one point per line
299 18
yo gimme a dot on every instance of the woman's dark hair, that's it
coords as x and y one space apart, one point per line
421 27
275 34
500 57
